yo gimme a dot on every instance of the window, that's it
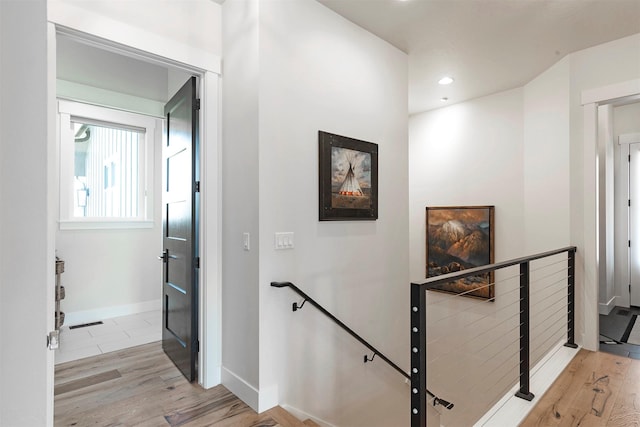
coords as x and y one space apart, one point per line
106 167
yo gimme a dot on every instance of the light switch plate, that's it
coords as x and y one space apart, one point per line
284 240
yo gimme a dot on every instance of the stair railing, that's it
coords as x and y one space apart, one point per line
419 392
306 298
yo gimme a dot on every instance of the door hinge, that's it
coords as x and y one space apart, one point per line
629 243
197 186
629 158
198 346
629 288
629 202
196 104
53 340
197 262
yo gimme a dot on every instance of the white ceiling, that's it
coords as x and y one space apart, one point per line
487 46
88 65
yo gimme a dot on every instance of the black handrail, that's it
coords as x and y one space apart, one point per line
436 400
450 277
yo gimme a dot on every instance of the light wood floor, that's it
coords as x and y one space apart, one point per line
140 386
596 389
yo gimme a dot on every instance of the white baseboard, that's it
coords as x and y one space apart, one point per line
511 410
259 401
301 415
96 314
606 308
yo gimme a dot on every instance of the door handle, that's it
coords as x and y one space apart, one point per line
165 256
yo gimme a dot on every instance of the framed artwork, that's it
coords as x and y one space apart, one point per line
348 177
459 238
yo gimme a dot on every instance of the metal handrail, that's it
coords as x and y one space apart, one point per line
376 352
432 282
419 324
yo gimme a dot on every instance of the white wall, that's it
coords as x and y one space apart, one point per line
291 69
27 254
626 119
110 273
240 210
318 71
546 160
454 155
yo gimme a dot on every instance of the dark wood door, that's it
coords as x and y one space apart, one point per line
180 202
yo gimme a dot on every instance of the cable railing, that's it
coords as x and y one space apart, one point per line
433 399
478 349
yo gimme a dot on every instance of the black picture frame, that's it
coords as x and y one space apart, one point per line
348 178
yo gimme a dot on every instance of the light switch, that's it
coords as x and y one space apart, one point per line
246 241
284 240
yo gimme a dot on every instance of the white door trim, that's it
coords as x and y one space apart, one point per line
591 99
625 142
629 138
126 40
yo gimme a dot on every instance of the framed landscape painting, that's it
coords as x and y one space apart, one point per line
460 238
348 177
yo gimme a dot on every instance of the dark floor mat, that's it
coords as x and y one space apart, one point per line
627 331
618 350
613 326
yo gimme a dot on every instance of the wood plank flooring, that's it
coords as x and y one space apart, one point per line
140 386
596 389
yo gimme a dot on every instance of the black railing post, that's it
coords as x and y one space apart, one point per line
418 356
571 300
524 391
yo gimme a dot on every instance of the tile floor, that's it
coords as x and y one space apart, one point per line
612 328
114 334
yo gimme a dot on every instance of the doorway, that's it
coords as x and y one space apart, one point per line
111 127
620 306
208 300
631 143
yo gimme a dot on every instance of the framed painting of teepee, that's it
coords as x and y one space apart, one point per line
348 177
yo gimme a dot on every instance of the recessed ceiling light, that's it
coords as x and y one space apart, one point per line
446 80
444 99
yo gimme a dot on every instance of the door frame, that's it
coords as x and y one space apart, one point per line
119 38
587 274
625 141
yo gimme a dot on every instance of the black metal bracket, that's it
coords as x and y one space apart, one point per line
366 359
297 307
438 401
526 396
